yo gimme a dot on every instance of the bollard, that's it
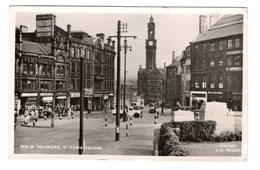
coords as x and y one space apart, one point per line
130 121
105 121
155 119
33 120
173 116
60 117
126 130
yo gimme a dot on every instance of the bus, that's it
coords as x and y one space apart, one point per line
197 97
137 101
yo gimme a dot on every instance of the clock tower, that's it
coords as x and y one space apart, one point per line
151 46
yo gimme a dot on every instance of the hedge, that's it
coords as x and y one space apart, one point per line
169 144
193 131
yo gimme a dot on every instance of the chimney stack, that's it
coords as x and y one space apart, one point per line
202 23
23 28
173 57
140 67
215 19
113 44
69 30
101 36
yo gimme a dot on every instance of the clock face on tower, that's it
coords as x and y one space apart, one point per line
150 43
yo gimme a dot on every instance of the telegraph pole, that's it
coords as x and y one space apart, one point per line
81 107
123 28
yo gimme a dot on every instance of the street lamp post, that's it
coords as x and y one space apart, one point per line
126 47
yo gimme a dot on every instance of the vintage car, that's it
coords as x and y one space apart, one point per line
135 111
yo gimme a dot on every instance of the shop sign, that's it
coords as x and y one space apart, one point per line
28 94
234 52
105 96
88 92
47 98
74 94
61 97
46 94
237 93
60 94
215 92
98 95
234 69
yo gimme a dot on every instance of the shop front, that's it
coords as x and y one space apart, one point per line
75 100
61 99
45 100
28 100
97 102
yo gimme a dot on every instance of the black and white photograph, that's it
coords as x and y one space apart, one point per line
128 83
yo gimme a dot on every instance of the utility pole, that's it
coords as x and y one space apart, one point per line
123 28
81 107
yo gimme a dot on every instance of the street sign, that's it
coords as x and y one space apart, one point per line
88 92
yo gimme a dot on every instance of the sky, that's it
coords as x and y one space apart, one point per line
174 29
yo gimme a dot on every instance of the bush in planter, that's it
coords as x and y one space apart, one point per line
169 144
194 131
228 135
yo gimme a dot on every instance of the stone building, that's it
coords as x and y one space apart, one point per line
150 81
54 56
217 62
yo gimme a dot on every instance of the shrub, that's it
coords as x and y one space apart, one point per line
228 135
193 131
169 144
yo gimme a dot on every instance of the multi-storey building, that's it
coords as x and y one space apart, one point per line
173 83
185 77
151 79
217 61
55 65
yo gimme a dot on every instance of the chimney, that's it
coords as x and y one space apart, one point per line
23 28
173 57
140 67
101 36
113 44
69 30
202 23
108 41
213 19
164 66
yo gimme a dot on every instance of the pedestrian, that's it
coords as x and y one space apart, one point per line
69 113
36 114
26 115
15 118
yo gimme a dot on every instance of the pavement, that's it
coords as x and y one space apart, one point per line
100 139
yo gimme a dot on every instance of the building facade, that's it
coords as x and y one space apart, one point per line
150 81
217 62
173 83
53 55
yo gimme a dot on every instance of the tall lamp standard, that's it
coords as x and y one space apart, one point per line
126 47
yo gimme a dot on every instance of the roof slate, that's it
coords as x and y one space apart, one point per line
226 26
31 47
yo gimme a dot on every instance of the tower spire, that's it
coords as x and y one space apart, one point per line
151 19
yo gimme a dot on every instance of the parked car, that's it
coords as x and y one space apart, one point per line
135 111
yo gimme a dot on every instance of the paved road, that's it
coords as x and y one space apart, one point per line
99 140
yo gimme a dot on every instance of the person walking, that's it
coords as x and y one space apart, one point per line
15 118
69 113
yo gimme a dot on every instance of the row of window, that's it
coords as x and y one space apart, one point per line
217 81
228 44
75 84
235 60
86 54
34 69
